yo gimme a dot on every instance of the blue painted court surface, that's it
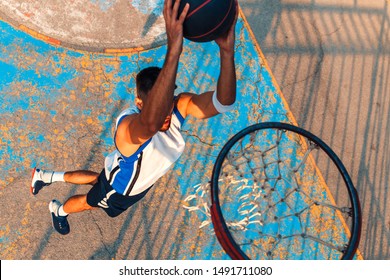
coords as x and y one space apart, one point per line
57 109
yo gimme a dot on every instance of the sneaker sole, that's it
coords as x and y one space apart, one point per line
32 178
50 207
51 214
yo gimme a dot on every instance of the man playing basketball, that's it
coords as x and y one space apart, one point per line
147 137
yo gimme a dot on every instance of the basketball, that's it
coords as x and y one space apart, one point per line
207 19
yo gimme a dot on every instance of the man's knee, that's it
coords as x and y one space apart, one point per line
85 203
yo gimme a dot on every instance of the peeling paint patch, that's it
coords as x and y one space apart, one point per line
104 5
154 7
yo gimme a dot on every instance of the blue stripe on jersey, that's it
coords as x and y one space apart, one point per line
126 169
178 115
126 175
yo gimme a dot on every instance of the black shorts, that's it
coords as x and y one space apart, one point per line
116 203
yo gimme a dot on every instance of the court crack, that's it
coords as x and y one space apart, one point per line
197 137
105 246
321 55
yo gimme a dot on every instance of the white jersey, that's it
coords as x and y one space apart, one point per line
132 175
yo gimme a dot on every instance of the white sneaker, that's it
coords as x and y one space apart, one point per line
60 223
37 183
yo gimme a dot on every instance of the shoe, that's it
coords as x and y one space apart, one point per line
37 183
60 223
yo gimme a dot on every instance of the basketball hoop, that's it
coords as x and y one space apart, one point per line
279 192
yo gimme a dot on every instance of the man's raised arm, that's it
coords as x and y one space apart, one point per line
158 104
221 100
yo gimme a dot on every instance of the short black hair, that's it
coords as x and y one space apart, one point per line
145 80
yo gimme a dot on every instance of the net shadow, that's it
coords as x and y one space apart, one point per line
332 64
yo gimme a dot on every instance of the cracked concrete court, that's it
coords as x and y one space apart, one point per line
58 109
60 97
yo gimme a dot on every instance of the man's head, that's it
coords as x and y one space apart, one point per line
145 80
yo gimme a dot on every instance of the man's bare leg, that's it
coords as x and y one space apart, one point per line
43 178
77 203
81 177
